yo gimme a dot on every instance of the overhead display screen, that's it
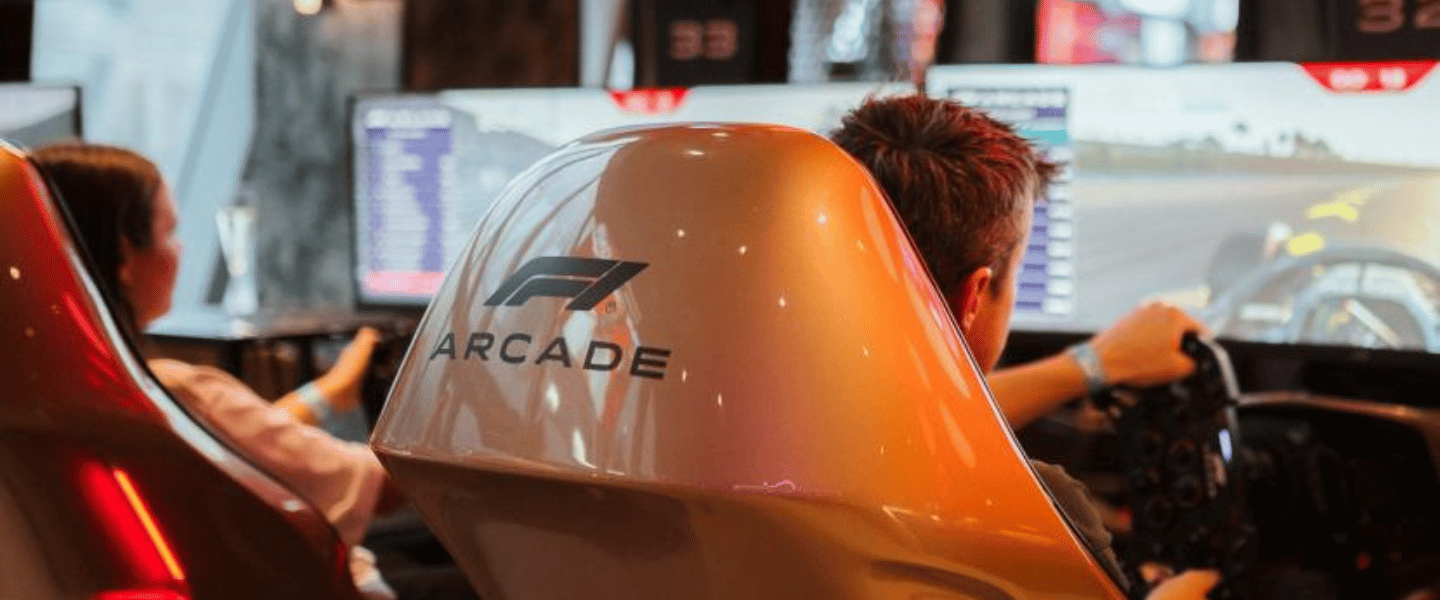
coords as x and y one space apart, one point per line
426 167
1280 203
33 115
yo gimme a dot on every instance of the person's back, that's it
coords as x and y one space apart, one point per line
964 186
342 479
126 218
96 454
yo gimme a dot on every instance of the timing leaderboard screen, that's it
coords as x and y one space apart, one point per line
1280 203
427 167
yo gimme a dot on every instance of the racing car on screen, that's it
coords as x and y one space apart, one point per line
705 361
1357 270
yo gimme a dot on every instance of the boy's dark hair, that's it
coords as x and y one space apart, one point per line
959 179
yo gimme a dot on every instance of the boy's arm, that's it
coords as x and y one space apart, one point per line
1140 350
1029 391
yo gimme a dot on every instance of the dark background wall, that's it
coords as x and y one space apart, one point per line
17 21
478 43
307 69
297 172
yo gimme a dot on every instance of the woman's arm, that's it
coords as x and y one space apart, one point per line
340 386
344 480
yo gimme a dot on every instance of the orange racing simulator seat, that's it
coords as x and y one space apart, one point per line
705 361
109 490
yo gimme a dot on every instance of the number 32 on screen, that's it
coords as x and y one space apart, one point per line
1386 16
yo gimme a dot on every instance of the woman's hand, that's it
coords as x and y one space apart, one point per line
341 384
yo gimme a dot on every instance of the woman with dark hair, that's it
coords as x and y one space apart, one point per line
127 222
120 205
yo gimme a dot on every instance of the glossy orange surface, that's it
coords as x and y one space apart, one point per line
803 419
106 485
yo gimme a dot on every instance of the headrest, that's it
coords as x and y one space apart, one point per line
722 310
52 308
79 403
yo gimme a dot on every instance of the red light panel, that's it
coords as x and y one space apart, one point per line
138 539
1354 77
658 101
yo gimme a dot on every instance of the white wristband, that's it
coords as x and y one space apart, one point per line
1089 362
314 401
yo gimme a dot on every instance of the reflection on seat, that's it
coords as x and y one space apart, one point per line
107 488
704 361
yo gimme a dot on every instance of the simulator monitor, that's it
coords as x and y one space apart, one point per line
37 114
1134 32
1282 203
426 167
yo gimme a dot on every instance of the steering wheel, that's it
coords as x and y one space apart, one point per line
1180 446
1342 295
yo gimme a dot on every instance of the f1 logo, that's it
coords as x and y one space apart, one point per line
586 280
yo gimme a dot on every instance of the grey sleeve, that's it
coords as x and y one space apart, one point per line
1074 500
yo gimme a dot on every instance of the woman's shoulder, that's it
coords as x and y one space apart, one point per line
169 366
171 372
175 374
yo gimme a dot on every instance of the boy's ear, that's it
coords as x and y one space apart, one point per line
126 270
964 298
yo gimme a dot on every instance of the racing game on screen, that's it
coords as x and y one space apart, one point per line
1280 203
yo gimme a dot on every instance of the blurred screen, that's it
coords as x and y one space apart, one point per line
1280 203
1148 32
427 167
37 114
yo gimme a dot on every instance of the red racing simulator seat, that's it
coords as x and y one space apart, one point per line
705 361
108 489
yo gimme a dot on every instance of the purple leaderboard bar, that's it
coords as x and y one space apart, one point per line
406 211
1046 281
1047 275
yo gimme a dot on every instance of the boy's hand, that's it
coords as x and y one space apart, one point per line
1142 349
